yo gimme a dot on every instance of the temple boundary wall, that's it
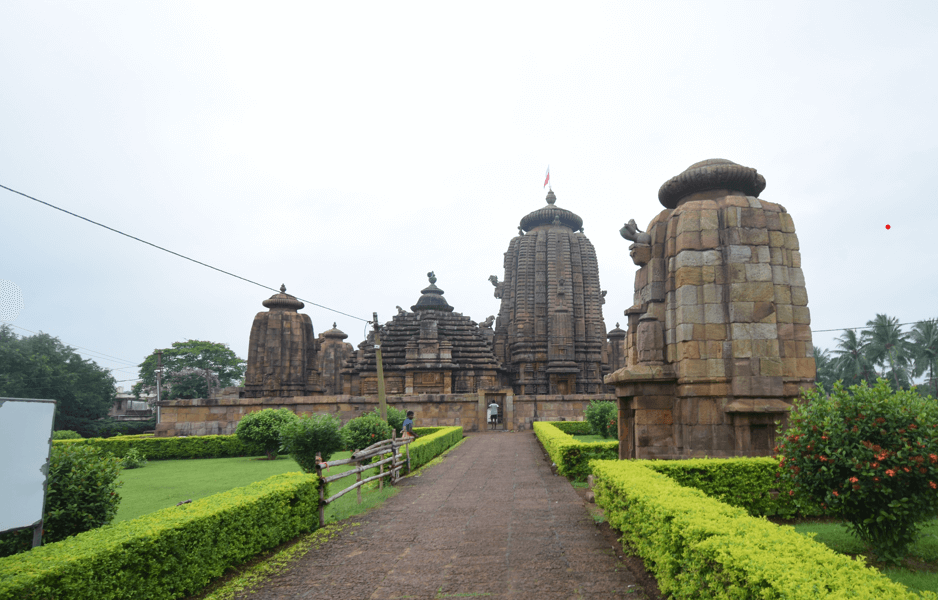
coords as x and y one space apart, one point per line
220 416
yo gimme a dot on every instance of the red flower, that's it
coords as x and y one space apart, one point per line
913 426
933 457
906 469
835 493
932 484
856 486
853 480
922 470
792 492
890 472
875 465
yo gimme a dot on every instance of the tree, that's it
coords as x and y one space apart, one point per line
925 350
191 369
310 435
826 368
41 366
851 363
263 428
887 344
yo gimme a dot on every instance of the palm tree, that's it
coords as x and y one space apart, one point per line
826 369
886 343
852 363
925 349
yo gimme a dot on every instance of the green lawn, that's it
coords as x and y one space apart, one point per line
920 577
164 483
589 439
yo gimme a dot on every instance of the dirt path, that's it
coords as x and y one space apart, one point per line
490 521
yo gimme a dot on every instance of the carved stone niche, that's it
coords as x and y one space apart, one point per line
754 422
650 340
640 253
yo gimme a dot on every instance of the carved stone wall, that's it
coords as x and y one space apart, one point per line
550 331
719 338
333 352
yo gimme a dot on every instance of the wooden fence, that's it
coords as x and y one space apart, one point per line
396 462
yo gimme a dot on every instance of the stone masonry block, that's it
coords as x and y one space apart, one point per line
799 296
754 202
791 241
802 332
687 350
788 226
796 276
708 274
758 272
801 315
806 368
778 256
712 293
709 219
709 238
796 259
687 295
740 312
688 276
760 291
715 331
714 349
782 294
716 367
762 254
688 221
789 349
742 348
765 348
752 217
692 368
713 313
780 275
687 240
754 236
776 239
736 272
731 216
735 200
772 221
684 332
764 331
653 417
739 254
692 313
789 367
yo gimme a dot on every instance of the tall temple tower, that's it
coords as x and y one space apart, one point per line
550 330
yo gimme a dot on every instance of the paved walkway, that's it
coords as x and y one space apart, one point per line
490 521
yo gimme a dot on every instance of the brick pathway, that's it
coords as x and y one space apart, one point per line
490 521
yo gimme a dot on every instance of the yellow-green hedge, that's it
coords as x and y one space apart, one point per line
430 445
174 448
699 547
572 456
170 553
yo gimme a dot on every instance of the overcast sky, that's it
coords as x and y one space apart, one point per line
348 149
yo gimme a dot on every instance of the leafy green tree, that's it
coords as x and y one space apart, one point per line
396 418
852 364
602 416
925 350
191 369
263 427
868 455
886 343
310 435
41 366
363 431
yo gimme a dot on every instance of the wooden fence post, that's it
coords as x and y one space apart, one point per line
359 480
322 496
408 459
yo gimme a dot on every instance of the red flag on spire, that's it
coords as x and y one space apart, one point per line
547 178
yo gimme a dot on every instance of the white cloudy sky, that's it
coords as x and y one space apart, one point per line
346 150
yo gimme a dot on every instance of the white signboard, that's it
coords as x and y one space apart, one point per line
25 443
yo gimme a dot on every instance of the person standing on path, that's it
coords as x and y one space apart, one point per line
493 414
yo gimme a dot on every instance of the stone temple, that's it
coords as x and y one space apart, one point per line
719 339
550 333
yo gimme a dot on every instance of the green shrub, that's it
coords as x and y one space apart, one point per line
66 434
601 415
431 443
171 553
134 459
363 431
81 494
571 456
395 418
574 427
699 547
263 427
303 438
173 448
870 456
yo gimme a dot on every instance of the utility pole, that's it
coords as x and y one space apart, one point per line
382 401
159 382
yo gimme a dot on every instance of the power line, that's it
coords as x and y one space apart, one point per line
174 253
866 327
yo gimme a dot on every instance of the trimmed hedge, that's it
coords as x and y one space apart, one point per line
174 448
430 445
748 483
573 427
170 553
699 547
572 456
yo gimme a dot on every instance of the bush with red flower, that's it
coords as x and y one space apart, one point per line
868 455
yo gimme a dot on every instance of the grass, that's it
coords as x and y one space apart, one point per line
920 571
165 483
591 439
